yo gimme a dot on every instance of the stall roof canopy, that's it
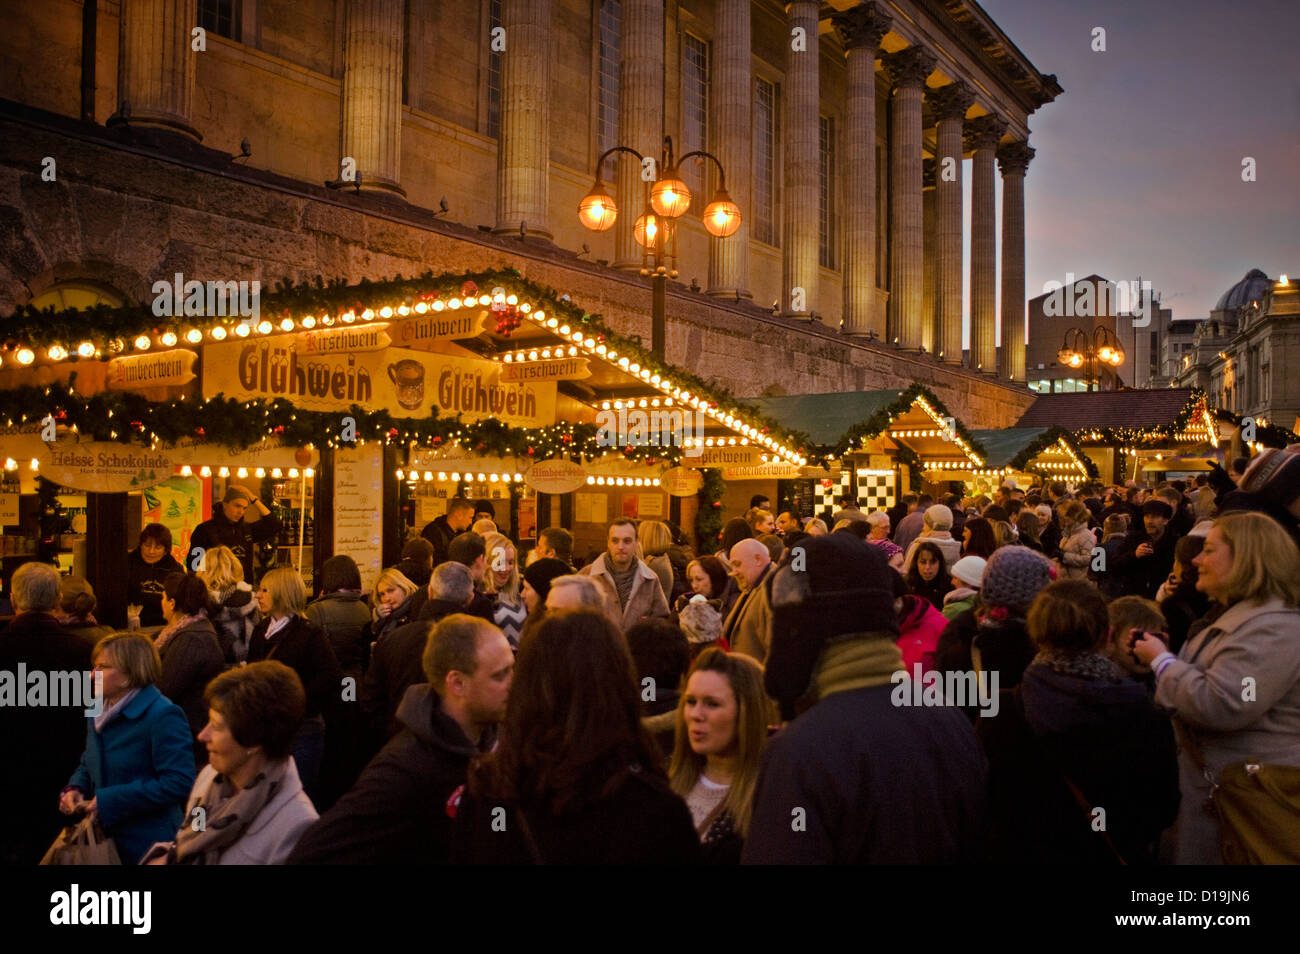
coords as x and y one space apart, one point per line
1003 446
1084 411
825 418
1034 448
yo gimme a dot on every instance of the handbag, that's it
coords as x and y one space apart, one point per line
1258 807
82 844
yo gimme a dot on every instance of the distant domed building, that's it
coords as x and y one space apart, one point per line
1240 353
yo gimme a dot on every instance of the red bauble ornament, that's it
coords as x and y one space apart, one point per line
278 429
469 288
437 441
302 456
530 452
200 431
568 438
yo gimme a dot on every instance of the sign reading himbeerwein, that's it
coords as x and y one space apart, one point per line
556 476
681 481
163 369
406 383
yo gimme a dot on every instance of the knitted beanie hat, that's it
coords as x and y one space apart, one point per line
970 570
938 517
1157 508
1274 475
540 573
1013 576
831 585
701 620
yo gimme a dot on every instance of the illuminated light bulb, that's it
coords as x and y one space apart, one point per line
205 471
348 317
242 472
456 477
421 308
260 472
309 472
36 464
591 480
539 316
241 330
219 333
572 351
623 362
57 352
438 305
453 304
194 336
286 324
600 481
309 322
551 322
493 478
564 330
481 478
401 475
600 350
546 353
386 312
224 472
11 464
519 477
634 368
141 344
604 405
367 314
293 472
264 328
470 301
589 343
532 356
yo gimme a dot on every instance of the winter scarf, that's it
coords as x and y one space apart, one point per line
174 627
855 664
1081 665
228 812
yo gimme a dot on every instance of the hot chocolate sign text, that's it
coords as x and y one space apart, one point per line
407 383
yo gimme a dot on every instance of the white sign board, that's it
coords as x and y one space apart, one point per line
358 509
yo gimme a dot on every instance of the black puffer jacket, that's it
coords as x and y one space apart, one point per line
397 812
144 584
1108 738
344 617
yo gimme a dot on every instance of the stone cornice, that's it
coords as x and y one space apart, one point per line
862 26
951 101
981 34
1014 158
909 67
983 132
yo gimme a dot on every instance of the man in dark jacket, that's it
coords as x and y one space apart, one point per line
1148 553
417 561
231 527
395 663
40 745
442 530
857 778
401 808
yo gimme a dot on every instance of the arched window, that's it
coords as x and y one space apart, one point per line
77 295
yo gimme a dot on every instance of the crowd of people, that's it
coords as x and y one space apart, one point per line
758 704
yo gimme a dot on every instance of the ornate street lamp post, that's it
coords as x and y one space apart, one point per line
1092 352
665 201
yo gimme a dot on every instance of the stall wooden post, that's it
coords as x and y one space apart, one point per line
323 547
108 538
391 515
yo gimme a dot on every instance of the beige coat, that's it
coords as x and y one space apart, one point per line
748 627
1076 553
646 600
1251 651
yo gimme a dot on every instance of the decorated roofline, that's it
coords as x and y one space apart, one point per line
878 422
1045 441
1135 437
1267 434
103 333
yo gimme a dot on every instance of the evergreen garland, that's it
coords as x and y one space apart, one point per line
876 423
237 424
708 516
1270 435
1047 439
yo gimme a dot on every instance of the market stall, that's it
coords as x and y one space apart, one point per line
1027 455
360 410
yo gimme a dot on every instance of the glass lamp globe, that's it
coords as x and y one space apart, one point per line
670 197
722 216
597 210
646 230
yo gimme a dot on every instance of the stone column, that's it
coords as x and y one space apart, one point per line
802 162
982 135
372 91
860 28
730 134
523 151
640 117
950 104
907 69
930 256
155 75
1014 159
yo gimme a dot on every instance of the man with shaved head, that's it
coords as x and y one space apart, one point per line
747 626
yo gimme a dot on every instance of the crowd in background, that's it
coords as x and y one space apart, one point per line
482 705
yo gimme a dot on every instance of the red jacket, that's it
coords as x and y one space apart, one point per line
920 635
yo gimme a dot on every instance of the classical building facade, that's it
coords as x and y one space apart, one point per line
1245 353
273 140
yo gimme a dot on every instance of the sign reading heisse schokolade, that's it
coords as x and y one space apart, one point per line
332 370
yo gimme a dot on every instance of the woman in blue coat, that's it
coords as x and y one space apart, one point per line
138 766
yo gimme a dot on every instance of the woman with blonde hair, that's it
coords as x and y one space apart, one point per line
1004 534
139 762
722 721
1077 541
286 635
237 614
655 539
501 577
1251 638
393 603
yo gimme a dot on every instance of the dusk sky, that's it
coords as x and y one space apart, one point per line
1139 164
